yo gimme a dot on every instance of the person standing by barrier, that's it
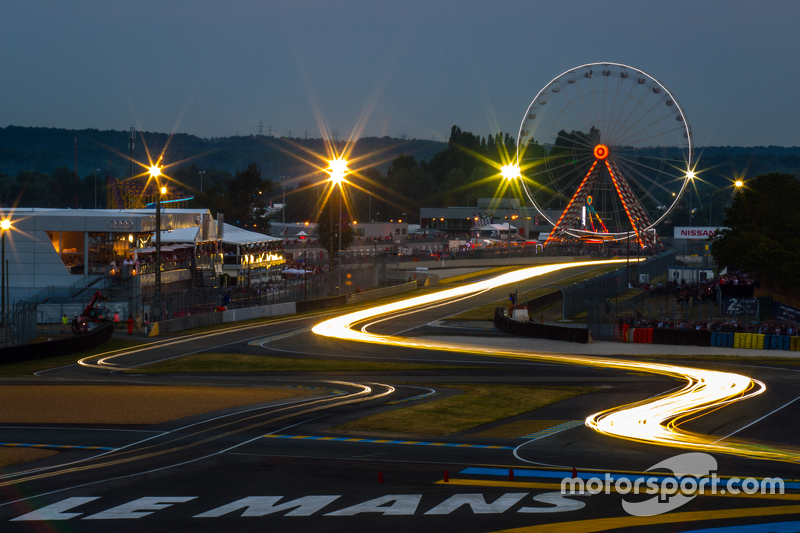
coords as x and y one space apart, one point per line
138 324
116 320
64 323
130 325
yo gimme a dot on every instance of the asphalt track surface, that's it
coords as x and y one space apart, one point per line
276 467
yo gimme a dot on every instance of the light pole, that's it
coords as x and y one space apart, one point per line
638 248
710 203
202 172
96 172
337 168
305 269
510 173
628 264
155 173
4 225
690 175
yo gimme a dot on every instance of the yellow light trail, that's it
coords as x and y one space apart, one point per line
653 421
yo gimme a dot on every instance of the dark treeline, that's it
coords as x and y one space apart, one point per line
394 176
45 149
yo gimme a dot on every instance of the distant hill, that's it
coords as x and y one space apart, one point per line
45 149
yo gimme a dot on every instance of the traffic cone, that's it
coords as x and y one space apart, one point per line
446 476
380 477
574 472
511 474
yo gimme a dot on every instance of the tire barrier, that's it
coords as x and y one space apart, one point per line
538 331
643 335
752 341
74 344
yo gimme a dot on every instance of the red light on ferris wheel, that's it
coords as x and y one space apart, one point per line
601 151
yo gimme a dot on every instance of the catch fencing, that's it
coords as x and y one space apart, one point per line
18 326
340 281
605 286
660 309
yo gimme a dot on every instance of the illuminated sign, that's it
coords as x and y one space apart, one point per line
696 232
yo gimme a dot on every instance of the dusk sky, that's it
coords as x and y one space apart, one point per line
214 68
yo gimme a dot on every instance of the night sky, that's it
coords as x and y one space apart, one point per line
214 68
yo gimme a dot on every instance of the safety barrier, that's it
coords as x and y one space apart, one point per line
643 335
680 337
74 344
538 331
751 341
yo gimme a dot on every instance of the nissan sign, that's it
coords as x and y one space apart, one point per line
696 232
120 224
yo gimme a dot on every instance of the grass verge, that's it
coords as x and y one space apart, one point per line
479 405
127 404
466 277
27 368
231 362
486 312
15 456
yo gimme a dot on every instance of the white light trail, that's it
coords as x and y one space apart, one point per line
654 421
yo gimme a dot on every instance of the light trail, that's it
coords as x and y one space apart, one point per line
653 421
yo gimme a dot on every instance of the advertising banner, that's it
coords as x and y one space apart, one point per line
739 306
695 232
785 312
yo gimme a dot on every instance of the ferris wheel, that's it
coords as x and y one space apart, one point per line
608 151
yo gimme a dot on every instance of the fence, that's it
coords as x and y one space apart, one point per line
349 279
18 326
603 287
41 350
609 319
345 280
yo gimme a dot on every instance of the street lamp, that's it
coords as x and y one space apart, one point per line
202 172
510 173
690 174
4 226
337 168
155 173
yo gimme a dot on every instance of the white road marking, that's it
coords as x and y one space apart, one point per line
561 503
755 421
401 505
139 508
265 505
56 510
185 462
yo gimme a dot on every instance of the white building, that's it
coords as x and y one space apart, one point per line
59 257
